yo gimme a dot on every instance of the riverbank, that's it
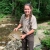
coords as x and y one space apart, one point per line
7 27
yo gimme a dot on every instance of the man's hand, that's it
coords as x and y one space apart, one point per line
23 36
15 29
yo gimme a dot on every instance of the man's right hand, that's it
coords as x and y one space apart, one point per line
15 29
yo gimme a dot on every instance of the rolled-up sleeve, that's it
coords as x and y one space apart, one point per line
34 23
21 20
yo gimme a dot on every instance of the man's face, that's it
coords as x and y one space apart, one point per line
27 10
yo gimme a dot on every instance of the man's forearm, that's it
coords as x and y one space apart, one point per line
30 32
19 26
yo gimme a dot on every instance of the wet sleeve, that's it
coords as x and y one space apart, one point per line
34 24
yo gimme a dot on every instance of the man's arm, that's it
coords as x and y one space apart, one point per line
30 32
17 27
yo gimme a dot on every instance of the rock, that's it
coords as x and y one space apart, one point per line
38 37
40 34
1 47
15 35
8 24
13 45
36 41
15 42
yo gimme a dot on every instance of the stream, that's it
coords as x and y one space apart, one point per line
5 30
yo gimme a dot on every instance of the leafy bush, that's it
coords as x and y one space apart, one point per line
46 42
2 15
36 11
47 32
15 7
5 7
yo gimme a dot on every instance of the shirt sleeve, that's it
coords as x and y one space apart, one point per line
21 20
34 23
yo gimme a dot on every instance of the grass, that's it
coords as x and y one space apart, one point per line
37 48
41 27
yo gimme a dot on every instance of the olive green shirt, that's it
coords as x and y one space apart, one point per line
26 25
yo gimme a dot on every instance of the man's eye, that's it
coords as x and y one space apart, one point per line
25 9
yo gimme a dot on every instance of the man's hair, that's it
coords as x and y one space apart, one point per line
29 4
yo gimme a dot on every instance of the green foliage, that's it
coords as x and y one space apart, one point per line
47 32
46 42
46 6
37 48
2 15
41 27
36 11
49 23
0 38
41 8
35 32
5 7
